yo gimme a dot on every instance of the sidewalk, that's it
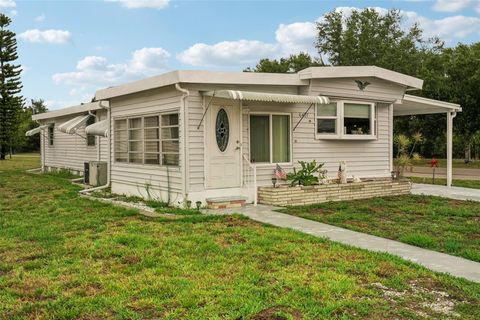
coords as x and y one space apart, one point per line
433 260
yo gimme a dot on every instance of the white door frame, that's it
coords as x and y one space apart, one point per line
209 143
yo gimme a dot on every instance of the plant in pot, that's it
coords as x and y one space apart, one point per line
307 175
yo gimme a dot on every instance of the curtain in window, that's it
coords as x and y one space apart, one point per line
259 138
280 138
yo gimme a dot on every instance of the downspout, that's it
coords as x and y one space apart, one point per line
98 138
42 148
109 162
183 111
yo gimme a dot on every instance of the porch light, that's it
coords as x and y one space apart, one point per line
198 204
274 181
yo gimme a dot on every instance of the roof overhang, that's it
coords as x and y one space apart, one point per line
414 105
360 72
71 126
267 97
99 128
82 108
201 77
36 130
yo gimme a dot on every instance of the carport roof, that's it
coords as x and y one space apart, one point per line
414 105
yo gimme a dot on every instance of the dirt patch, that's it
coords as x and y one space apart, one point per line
424 302
278 313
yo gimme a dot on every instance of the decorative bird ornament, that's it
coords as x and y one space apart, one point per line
362 84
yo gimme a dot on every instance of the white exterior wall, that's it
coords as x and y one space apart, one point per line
365 158
70 151
135 179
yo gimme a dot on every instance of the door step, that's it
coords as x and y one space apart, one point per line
226 202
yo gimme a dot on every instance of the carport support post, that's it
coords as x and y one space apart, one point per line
450 116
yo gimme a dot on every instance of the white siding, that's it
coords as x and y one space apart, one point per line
135 179
377 90
70 151
196 142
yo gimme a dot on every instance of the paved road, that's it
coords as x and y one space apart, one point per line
458 173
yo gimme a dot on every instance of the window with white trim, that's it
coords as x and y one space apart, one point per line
270 140
152 139
345 120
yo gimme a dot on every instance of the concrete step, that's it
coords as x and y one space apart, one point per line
226 202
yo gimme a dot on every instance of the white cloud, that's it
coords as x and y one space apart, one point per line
138 4
7 4
452 5
13 13
227 53
40 18
46 36
296 37
93 72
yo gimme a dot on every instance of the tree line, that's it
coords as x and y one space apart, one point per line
367 37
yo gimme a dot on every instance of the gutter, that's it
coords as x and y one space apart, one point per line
183 112
109 162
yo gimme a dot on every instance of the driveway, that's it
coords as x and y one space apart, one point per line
446 192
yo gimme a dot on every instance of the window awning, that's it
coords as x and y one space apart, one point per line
267 97
71 126
99 128
36 130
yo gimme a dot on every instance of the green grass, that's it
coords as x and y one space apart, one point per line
474 184
66 257
440 224
442 163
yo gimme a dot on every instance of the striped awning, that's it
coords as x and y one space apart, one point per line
35 131
267 97
71 126
99 128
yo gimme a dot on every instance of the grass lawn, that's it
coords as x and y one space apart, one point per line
440 224
442 163
474 184
66 257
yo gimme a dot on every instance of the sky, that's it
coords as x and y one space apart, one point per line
69 49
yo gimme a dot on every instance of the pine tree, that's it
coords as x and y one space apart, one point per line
10 87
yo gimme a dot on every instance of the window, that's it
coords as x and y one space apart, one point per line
327 118
270 138
147 140
91 139
51 134
357 120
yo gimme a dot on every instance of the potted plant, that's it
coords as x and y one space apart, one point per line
307 175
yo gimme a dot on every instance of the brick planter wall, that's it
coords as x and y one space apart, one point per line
299 195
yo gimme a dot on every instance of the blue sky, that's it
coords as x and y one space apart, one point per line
71 48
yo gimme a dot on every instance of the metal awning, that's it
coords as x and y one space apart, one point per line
99 128
32 132
267 97
414 105
71 126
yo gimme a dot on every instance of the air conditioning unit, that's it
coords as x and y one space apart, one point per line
98 171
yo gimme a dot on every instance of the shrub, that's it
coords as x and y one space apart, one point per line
307 175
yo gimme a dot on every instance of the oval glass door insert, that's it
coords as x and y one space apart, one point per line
222 129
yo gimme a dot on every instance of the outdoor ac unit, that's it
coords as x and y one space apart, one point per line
97 173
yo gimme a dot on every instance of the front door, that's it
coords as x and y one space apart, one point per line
223 146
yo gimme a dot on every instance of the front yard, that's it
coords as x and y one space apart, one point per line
65 257
440 224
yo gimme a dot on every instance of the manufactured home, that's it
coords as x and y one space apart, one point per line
199 134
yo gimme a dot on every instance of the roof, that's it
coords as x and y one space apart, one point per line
82 108
258 78
267 97
414 105
360 71
202 77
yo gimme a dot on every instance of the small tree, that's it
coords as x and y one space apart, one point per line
10 87
404 155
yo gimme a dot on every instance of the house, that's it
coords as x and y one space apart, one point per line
200 134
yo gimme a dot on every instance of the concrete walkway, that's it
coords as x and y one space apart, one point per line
431 259
446 192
